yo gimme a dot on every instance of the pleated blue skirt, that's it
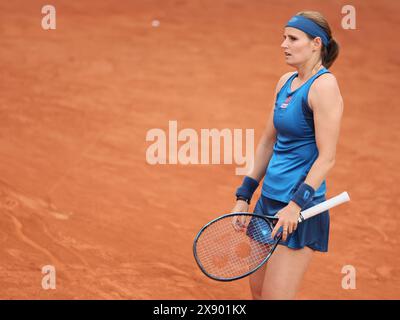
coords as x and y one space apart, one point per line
313 232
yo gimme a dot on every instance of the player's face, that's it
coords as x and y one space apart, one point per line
297 46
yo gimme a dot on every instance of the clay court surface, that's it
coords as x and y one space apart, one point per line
77 102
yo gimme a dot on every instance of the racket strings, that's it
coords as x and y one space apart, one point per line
227 251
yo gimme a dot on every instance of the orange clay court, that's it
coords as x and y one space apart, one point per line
76 103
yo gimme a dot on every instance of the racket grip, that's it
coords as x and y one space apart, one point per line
323 206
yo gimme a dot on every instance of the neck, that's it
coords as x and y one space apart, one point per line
308 69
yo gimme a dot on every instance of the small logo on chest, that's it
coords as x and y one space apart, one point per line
286 102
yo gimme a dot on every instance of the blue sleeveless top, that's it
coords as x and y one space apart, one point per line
295 149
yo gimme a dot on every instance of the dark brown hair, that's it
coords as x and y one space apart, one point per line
331 51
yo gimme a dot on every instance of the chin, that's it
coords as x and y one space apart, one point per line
291 64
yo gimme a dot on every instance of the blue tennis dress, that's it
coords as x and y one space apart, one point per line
294 153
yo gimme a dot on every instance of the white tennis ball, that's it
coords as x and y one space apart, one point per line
155 23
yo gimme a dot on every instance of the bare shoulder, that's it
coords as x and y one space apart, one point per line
324 88
325 83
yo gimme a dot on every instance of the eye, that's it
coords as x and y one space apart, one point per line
291 38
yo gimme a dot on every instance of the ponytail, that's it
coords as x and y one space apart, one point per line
330 53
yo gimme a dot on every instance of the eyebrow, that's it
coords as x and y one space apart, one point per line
290 35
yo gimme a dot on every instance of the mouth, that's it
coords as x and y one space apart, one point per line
287 54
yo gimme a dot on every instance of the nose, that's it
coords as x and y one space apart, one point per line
284 45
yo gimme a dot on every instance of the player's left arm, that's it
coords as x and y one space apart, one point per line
327 105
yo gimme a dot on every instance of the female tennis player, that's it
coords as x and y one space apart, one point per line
295 153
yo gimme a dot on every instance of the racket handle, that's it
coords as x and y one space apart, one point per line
323 206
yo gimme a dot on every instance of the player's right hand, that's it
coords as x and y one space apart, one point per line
239 222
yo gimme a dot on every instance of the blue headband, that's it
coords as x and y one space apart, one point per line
309 27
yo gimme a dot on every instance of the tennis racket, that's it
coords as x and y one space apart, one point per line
235 245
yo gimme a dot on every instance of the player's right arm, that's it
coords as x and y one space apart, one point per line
268 138
264 148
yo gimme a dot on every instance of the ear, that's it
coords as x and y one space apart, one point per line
317 43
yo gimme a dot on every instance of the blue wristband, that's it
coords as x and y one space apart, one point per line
247 188
303 195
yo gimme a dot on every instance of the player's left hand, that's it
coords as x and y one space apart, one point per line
288 220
